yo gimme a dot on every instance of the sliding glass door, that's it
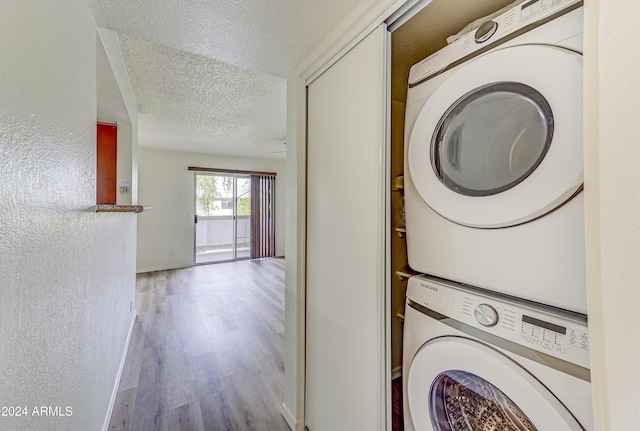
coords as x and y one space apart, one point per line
223 216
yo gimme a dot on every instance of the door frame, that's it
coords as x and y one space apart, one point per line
348 34
383 41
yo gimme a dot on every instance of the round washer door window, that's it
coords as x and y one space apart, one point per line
499 142
459 384
460 400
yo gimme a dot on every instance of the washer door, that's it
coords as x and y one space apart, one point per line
458 384
499 143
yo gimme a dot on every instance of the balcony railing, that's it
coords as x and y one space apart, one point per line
214 238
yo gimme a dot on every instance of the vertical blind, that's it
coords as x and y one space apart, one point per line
263 223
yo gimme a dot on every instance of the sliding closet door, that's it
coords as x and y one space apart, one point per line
345 242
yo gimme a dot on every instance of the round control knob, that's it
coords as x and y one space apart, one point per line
485 31
486 315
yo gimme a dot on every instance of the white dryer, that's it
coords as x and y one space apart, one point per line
494 157
480 361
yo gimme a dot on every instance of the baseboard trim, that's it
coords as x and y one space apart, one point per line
161 268
114 393
288 417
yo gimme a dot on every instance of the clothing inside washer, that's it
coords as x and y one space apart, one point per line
462 401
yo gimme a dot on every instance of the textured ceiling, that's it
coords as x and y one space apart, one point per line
193 103
271 36
209 75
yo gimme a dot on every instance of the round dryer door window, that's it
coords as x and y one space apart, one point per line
492 139
499 143
459 384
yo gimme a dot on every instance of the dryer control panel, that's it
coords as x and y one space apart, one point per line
506 26
550 331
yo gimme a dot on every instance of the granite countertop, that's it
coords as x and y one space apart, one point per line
112 208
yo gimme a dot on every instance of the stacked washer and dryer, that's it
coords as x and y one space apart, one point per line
495 334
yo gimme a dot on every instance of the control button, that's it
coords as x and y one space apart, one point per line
525 336
485 31
559 348
547 345
535 8
534 341
486 315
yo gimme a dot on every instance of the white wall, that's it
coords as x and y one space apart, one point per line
67 276
166 233
612 193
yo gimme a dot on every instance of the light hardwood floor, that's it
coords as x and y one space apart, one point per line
206 353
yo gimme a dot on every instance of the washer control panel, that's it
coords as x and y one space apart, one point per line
547 330
486 315
485 31
505 26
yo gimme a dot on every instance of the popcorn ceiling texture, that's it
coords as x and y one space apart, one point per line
193 64
192 103
67 276
271 36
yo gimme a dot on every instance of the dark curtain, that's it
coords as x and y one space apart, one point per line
263 221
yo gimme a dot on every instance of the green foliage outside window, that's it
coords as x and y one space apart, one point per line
214 193
244 206
207 192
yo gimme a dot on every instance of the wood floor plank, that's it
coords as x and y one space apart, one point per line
249 410
123 410
133 361
181 383
230 360
150 406
154 322
212 394
142 301
207 350
158 288
143 281
186 418
172 283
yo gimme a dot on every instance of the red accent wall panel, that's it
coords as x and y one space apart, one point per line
107 157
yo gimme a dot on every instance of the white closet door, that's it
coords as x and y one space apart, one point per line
345 241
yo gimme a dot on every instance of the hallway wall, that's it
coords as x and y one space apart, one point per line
67 275
165 233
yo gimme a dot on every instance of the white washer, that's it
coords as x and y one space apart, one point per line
475 360
494 157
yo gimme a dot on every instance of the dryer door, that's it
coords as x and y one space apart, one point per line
458 384
499 143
